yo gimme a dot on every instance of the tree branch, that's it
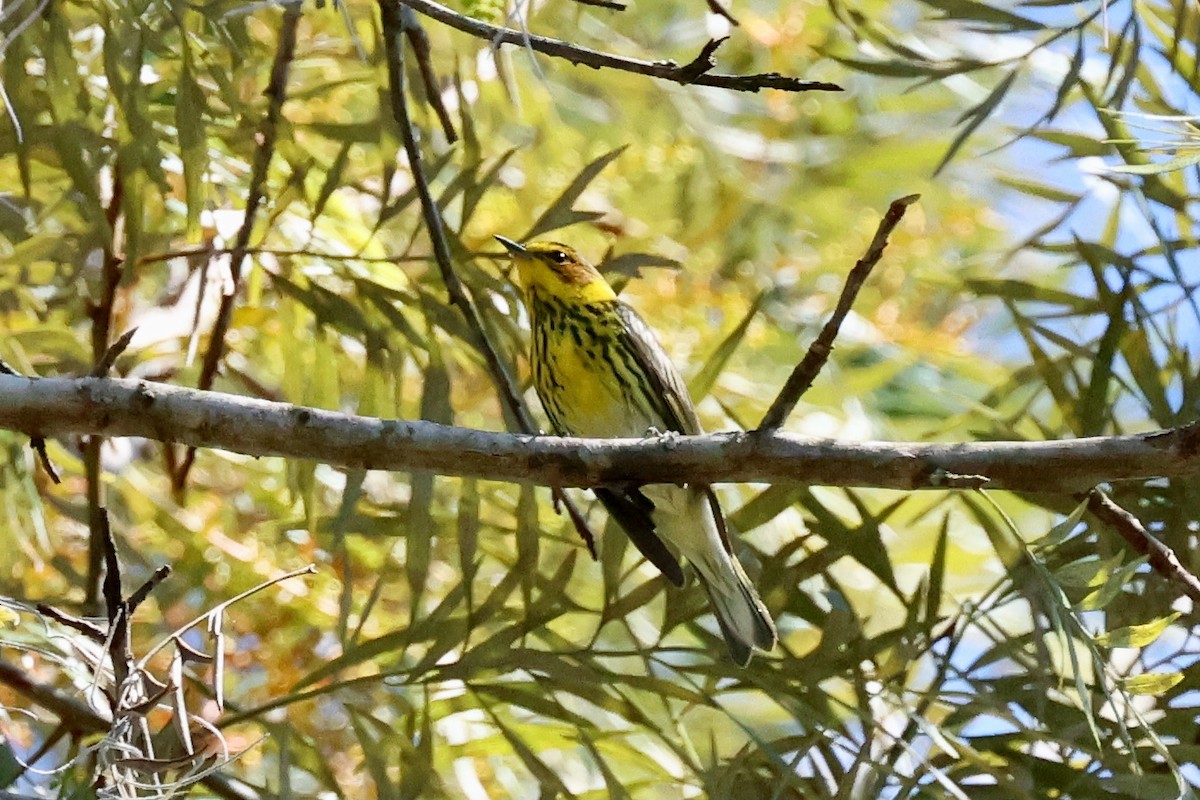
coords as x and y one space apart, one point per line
1161 558
111 407
663 70
818 353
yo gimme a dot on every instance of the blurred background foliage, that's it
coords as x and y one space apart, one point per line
456 640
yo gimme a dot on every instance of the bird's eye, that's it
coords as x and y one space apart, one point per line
558 256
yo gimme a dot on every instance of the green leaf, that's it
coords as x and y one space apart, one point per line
1117 584
1136 635
976 116
1063 530
1088 572
703 381
435 407
971 11
190 110
1151 682
1158 168
560 213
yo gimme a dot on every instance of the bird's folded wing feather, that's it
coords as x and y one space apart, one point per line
670 394
631 509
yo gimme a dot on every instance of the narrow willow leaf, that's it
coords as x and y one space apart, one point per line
937 576
468 533
1079 144
765 506
528 538
1063 530
333 180
1151 682
1088 572
1150 377
372 749
971 11
1019 290
703 382
1136 635
1158 168
190 111
1035 189
1117 584
435 407
631 264
976 116
560 213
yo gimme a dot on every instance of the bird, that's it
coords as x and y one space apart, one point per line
600 372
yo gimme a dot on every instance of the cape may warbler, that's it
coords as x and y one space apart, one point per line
601 373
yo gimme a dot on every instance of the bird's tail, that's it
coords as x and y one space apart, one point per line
744 620
688 518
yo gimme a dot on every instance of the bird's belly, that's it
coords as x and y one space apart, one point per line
582 395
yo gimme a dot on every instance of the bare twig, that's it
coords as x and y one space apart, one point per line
79 718
120 407
664 70
276 93
808 368
612 5
715 7
112 353
37 443
420 46
1161 558
101 315
74 623
130 690
39 446
393 27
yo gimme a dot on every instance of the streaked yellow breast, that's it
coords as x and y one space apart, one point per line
578 375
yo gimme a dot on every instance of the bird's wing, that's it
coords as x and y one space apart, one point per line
669 393
631 509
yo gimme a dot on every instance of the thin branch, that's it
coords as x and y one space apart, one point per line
268 129
611 5
74 623
112 353
101 315
1161 558
715 7
810 366
39 446
120 407
663 70
393 26
36 443
419 40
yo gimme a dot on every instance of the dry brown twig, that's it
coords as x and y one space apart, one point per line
691 73
1161 557
120 691
818 353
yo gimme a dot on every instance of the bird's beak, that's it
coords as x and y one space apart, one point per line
512 247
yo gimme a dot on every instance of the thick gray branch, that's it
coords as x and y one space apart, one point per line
61 407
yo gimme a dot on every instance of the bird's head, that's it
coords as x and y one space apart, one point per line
556 270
